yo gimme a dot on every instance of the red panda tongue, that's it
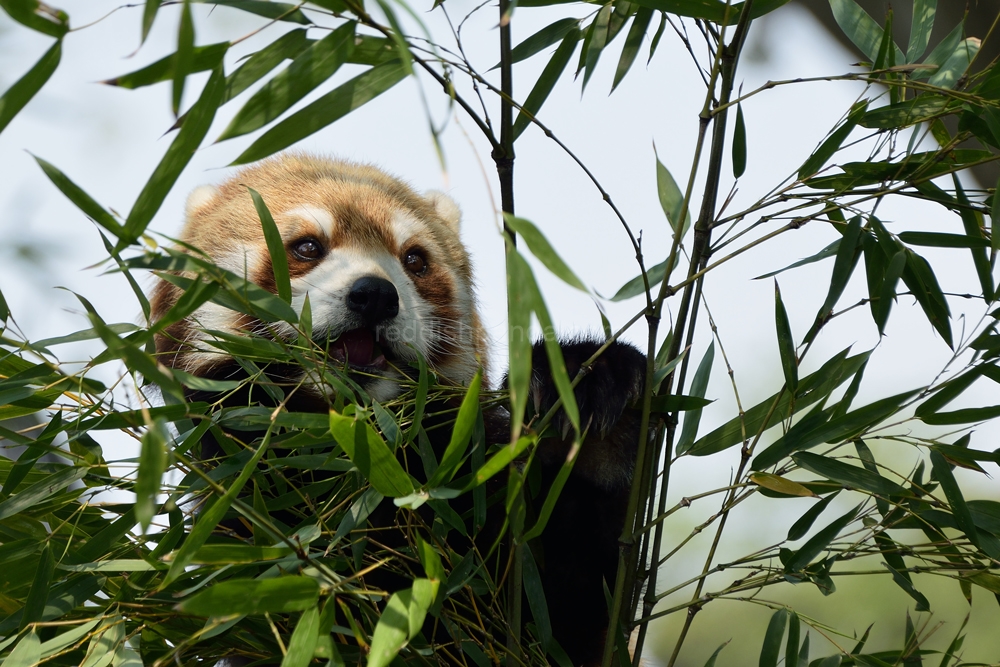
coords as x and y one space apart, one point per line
356 346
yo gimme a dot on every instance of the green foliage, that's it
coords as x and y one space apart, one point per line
158 571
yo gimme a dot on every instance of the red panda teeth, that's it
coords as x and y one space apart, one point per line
358 348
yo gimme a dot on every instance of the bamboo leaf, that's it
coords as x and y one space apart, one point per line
699 385
815 545
888 292
780 485
199 118
597 40
19 94
81 199
850 476
275 247
281 11
371 455
209 519
461 434
204 58
826 150
519 306
38 17
555 490
771 649
959 509
671 199
149 12
34 604
501 460
828 251
792 643
898 116
544 38
153 459
400 621
27 652
311 67
546 81
971 220
253 596
302 645
185 55
636 286
636 33
802 525
326 110
954 68
786 344
920 28
543 250
860 28
739 144
260 63
535 594
39 491
843 267
943 240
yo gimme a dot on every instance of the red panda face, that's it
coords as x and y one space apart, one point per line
383 268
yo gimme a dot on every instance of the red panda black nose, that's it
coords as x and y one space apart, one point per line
375 299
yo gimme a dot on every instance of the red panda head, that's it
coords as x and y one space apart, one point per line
384 269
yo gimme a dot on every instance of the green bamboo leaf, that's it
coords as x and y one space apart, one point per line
543 250
38 17
656 36
597 40
739 144
786 344
275 247
898 116
843 267
81 199
959 509
149 12
326 110
828 251
209 519
500 460
113 565
544 38
204 58
102 646
289 45
715 654
535 594
153 459
826 150
27 652
34 605
671 198
39 491
546 81
850 476
943 240
281 11
902 579
636 33
804 652
920 28
995 219
461 434
185 55
68 638
401 620
807 434
802 525
861 28
358 513
815 545
19 94
4 310
371 455
955 67
431 560
176 158
304 638
253 596
636 286
555 490
972 221
699 385
812 388
710 10
520 300
888 291
919 277
771 649
311 67
792 643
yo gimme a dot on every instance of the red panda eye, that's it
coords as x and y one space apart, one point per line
415 263
307 249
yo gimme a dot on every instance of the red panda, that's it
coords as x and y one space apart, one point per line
386 275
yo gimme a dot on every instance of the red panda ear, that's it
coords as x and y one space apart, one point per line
199 199
446 208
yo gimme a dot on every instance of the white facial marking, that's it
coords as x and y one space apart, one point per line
406 227
321 217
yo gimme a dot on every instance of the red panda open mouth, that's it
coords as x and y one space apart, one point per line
358 348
